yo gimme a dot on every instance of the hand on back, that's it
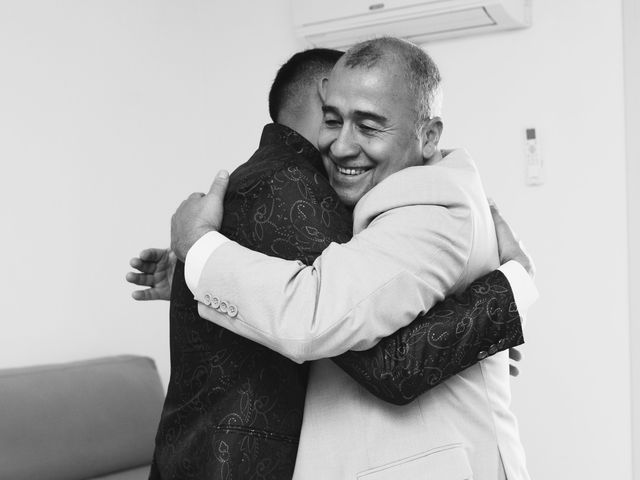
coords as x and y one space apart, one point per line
509 247
155 270
198 215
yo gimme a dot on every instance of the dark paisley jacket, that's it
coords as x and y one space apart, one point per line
234 408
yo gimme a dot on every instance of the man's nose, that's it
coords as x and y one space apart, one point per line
345 145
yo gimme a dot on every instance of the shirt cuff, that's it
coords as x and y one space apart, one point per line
198 255
524 290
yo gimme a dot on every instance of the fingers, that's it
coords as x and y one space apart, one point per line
152 254
144 267
514 354
219 185
144 295
145 280
493 206
509 246
149 259
495 211
502 226
498 219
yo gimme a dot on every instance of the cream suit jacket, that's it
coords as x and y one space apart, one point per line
419 235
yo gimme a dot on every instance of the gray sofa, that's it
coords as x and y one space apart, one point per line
83 420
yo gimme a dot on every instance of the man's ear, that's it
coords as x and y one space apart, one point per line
322 89
431 133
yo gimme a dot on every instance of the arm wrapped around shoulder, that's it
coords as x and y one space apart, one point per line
453 335
405 260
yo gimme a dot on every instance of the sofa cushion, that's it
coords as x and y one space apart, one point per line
140 473
78 420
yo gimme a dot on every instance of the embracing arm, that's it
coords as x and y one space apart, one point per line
481 319
412 246
455 334
351 297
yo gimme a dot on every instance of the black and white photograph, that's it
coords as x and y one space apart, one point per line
320 240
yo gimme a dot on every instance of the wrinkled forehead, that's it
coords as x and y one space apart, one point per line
383 86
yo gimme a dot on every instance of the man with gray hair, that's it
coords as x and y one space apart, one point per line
422 230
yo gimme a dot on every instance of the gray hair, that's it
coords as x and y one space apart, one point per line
421 72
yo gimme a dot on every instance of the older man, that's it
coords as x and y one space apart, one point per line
423 232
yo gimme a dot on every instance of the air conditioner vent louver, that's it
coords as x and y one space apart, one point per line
341 26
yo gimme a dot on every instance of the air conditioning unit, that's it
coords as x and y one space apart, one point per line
342 23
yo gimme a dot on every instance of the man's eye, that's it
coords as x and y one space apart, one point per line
368 128
331 122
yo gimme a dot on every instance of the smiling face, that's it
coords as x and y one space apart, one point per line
368 129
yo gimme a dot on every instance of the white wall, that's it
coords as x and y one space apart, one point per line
111 111
564 77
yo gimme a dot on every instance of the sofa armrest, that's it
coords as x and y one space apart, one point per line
78 420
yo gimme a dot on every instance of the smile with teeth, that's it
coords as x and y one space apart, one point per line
351 171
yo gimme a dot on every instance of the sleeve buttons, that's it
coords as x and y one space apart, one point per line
224 306
215 302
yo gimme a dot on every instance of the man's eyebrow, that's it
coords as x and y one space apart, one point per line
376 117
362 114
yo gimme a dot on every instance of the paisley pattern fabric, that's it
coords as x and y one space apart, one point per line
452 336
234 408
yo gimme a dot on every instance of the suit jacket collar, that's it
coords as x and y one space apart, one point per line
275 134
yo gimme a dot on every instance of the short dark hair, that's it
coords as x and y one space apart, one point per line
296 74
421 72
